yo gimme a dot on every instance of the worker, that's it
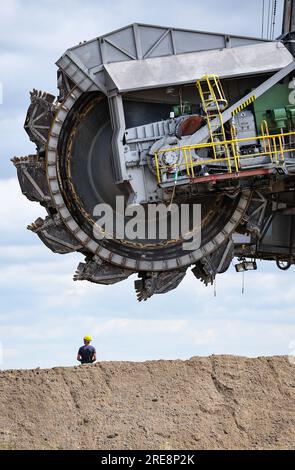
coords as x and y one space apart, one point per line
87 353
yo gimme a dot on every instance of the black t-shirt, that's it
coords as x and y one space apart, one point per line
86 352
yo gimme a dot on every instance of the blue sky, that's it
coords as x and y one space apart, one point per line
43 313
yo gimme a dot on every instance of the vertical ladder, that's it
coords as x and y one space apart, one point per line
214 103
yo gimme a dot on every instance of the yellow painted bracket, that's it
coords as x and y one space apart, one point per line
243 105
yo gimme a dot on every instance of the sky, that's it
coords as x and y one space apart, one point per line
43 313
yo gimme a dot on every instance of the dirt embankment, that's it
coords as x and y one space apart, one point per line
220 402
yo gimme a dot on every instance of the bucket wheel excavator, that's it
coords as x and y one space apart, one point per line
160 117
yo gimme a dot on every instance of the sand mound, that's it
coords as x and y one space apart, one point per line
220 402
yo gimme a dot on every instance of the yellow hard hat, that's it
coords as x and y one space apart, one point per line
87 338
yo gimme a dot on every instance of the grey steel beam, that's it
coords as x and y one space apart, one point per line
138 40
156 44
120 49
72 66
118 125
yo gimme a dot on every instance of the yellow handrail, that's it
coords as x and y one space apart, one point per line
216 98
265 132
186 162
191 163
157 167
281 148
235 147
276 151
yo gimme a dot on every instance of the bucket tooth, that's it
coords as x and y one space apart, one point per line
32 178
100 272
55 235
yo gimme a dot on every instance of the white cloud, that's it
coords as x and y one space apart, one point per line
15 142
37 25
16 212
139 339
51 279
203 337
21 253
10 353
172 326
268 287
8 9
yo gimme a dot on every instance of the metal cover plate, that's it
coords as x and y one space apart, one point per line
186 68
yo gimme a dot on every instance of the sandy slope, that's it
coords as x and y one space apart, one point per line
219 402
